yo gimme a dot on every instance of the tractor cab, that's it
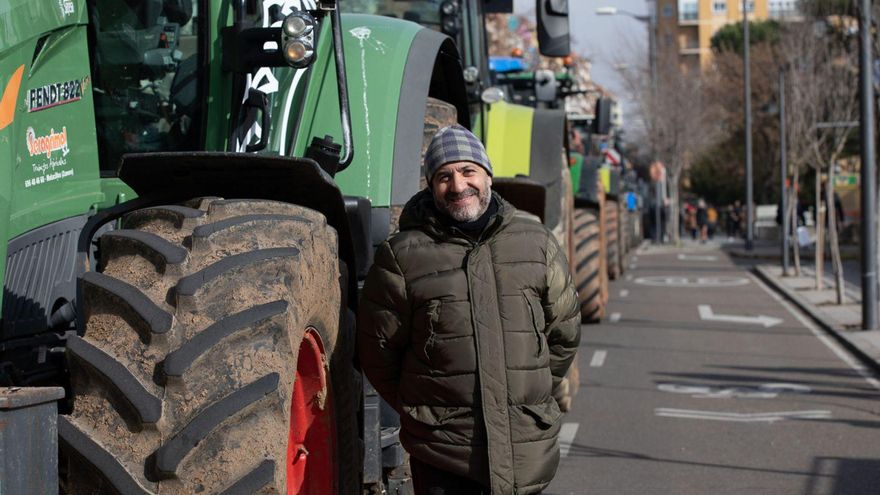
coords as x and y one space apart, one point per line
145 57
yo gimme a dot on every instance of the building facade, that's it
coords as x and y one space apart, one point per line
685 27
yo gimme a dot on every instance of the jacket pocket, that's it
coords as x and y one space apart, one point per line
536 312
436 415
545 415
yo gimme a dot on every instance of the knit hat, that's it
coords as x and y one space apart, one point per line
454 143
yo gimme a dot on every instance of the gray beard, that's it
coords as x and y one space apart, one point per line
466 213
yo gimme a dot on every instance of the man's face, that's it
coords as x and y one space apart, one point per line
462 190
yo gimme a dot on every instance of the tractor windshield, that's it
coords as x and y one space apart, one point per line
424 12
145 72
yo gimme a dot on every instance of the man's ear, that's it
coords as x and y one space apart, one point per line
490 181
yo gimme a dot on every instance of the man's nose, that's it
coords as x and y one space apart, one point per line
459 183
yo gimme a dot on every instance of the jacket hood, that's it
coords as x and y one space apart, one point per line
421 213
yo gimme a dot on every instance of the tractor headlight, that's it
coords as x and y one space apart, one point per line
298 38
298 24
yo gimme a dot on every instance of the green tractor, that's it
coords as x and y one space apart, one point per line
191 191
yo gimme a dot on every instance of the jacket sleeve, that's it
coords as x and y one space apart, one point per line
383 324
562 313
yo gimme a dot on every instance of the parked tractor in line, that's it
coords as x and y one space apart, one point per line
191 191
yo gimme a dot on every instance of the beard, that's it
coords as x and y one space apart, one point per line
467 212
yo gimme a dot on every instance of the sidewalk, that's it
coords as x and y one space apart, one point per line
843 322
771 250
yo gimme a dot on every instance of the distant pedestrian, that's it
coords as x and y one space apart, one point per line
702 220
734 220
468 323
690 220
712 219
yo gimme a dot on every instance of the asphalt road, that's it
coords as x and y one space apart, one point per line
741 396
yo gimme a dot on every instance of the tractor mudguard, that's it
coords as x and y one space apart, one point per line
527 141
392 67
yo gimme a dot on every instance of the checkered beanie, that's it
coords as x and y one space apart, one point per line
454 144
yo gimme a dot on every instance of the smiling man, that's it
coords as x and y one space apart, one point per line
468 322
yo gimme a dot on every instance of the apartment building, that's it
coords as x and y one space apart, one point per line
685 27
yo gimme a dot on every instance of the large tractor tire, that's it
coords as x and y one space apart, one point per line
588 265
564 233
217 357
612 239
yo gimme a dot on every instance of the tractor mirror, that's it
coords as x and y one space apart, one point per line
553 28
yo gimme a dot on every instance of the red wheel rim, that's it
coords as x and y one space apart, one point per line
311 445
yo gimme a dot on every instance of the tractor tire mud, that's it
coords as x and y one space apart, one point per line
612 239
588 267
183 381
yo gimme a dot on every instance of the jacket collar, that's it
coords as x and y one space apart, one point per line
420 213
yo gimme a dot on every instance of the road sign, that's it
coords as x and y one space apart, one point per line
697 282
766 321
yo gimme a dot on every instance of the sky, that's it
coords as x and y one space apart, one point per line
608 41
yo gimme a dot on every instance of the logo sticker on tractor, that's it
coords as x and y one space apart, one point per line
55 94
10 95
66 7
53 150
46 145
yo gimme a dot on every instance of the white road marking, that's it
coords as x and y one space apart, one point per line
629 277
834 346
707 314
678 281
770 417
632 266
763 391
624 293
566 437
615 317
598 359
697 257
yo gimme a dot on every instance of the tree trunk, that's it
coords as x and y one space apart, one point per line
832 235
820 224
794 221
674 209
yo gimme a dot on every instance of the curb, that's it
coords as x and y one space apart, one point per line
821 318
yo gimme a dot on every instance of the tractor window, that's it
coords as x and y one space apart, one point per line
145 72
424 12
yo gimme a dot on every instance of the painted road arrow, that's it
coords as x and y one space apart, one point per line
770 417
767 321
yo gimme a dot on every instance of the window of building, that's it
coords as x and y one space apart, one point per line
751 5
688 10
719 7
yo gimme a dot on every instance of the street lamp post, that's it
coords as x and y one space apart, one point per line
868 172
747 96
783 175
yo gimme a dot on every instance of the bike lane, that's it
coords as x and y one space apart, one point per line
701 380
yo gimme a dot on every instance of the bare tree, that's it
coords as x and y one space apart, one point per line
824 98
679 124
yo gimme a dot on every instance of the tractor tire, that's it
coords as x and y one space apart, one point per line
588 266
612 239
216 358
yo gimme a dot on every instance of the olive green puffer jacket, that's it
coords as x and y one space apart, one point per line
467 341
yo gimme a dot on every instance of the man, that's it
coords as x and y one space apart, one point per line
468 321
